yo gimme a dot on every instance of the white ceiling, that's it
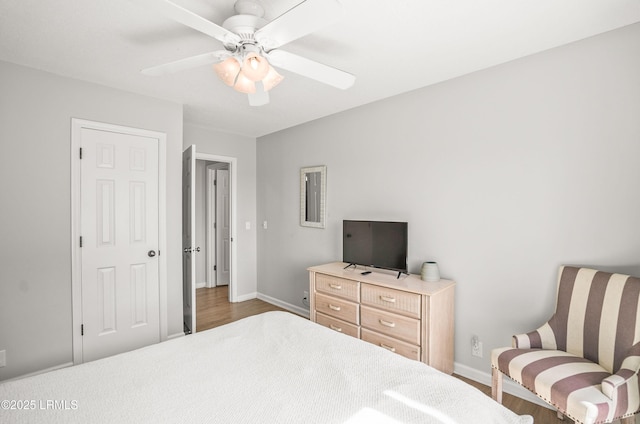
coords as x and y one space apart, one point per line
392 46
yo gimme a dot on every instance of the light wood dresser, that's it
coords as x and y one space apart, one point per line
408 316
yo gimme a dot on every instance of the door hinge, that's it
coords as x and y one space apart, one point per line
81 153
215 267
215 182
80 241
82 329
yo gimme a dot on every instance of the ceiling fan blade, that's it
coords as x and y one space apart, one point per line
311 69
260 97
303 19
186 63
190 19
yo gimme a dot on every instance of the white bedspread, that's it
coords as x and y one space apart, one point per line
270 368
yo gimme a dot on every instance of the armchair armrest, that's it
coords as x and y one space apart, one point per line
542 338
628 371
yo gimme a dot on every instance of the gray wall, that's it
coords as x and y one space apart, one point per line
244 150
503 175
35 219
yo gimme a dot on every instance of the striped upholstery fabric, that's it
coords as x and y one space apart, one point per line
585 359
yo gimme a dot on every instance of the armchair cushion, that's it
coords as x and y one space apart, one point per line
570 383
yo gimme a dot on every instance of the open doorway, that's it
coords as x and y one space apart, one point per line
208 230
212 224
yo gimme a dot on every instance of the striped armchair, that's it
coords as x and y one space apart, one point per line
585 360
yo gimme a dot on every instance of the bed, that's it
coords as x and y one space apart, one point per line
270 368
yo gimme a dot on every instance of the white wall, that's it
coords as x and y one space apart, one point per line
35 219
503 175
244 150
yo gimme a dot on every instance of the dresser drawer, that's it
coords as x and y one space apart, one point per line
338 308
337 286
402 348
394 325
397 301
337 325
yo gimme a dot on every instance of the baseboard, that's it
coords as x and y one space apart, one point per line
175 336
284 305
31 374
508 385
201 285
245 297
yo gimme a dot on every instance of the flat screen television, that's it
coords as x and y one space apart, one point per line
378 244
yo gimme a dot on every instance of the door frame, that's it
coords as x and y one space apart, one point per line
76 224
233 289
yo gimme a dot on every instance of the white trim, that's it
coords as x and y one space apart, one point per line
233 165
508 386
284 305
76 257
176 335
31 374
245 297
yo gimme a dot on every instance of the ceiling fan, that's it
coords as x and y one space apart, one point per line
251 45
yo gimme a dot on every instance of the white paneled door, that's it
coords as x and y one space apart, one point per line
188 238
119 193
223 228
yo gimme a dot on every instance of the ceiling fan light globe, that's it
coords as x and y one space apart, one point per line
227 70
244 84
272 79
255 67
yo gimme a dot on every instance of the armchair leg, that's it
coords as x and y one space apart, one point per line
560 416
496 385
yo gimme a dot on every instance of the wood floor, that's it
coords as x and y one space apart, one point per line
213 309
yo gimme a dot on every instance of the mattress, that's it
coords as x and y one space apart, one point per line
270 368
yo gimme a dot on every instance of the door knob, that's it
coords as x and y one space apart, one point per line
197 249
151 253
187 250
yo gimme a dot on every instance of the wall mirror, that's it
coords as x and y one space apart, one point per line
313 187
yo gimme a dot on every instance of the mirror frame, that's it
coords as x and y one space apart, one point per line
323 195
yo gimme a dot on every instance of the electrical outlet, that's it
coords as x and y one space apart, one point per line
476 347
3 358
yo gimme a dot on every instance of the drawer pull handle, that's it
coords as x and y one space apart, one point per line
333 307
338 329
391 348
335 286
388 299
387 323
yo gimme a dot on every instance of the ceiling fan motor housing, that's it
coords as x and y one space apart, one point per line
245 27
249 7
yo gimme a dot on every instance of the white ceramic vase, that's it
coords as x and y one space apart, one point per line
429 272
